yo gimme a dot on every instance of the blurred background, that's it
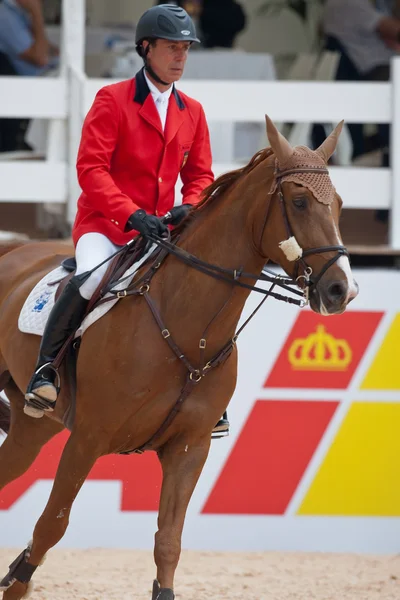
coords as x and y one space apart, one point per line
312 459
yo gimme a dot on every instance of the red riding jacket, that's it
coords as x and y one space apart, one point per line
126 161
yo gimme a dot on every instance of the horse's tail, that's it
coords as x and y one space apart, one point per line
6 247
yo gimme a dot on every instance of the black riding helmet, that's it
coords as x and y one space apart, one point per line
165 21
168 22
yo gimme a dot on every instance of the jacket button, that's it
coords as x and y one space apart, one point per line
116 222
160 179
112 221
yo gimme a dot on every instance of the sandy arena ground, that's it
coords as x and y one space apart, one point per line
127 575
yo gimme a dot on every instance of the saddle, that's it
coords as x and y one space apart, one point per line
69 264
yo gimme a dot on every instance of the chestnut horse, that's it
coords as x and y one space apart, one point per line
129 378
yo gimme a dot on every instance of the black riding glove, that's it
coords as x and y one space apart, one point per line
146 224
178 213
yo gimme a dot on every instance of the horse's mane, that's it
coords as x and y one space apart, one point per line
220 185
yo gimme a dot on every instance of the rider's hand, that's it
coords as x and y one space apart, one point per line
178 213
146 224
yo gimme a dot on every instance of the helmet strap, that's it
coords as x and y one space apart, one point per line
149 68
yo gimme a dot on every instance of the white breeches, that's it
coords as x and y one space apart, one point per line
92 249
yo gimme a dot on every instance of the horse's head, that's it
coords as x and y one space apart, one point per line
301 232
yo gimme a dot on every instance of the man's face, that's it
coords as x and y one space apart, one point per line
168 59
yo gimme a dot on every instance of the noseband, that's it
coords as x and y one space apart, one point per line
307 274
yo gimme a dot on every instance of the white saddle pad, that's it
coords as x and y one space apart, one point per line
37 306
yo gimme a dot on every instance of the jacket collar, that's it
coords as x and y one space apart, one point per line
142 91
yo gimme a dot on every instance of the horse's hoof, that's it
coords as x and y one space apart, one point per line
31 411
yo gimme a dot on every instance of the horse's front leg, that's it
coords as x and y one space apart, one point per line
79 455
182 463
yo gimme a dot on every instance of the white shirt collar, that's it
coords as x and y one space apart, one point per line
155 92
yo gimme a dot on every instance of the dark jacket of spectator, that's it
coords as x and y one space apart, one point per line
220 22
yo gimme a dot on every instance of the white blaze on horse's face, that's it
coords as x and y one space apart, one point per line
344 264
338 287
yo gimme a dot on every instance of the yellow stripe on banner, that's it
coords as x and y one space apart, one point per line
384 373
360 475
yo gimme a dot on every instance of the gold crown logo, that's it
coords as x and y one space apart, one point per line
320 350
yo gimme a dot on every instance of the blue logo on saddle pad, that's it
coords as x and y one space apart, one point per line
41 302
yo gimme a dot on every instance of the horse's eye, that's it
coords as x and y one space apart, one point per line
300 202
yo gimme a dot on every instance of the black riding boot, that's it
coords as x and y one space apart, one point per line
222 427
64 318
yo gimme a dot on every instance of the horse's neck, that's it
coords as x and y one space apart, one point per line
221 235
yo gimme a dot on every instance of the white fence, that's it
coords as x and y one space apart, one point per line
68 97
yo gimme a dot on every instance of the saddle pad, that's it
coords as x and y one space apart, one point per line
37 306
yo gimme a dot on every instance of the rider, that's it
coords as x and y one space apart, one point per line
138 136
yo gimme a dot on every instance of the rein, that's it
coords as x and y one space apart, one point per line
230 275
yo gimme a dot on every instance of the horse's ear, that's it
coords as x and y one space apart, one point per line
327 148
279 144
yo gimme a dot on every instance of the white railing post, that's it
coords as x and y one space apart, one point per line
76 92
74 16
395 157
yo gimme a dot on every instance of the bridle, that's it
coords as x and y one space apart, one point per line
307 273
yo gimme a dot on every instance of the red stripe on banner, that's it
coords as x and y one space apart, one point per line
270 457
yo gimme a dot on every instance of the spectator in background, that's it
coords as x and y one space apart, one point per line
367 35
192 7
23 38
219 21
24 50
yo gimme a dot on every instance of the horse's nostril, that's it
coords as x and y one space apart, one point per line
337 291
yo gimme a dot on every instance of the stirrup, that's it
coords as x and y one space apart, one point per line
35 404
220 430
217 435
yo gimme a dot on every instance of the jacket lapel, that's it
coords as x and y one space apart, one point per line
175 117
148 110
